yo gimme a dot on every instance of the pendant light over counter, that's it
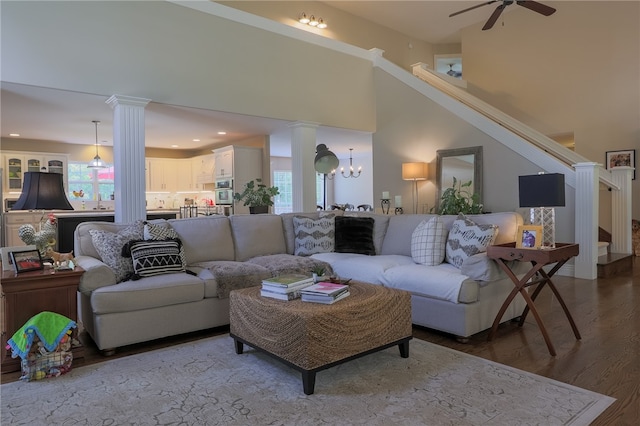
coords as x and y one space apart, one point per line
97 162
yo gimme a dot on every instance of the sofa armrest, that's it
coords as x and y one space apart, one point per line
96 274
481 268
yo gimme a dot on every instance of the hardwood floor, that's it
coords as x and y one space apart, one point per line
606 360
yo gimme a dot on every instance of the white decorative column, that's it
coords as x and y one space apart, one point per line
129 157
621 210
303 173
586 225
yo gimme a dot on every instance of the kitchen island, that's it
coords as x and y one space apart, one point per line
67 223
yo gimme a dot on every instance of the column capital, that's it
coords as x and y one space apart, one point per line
305 124
127 100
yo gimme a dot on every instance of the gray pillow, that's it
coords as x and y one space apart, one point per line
109 246
467 238
314 235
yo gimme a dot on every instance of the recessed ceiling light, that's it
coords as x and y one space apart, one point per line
15 135
222 133
196 140
174 146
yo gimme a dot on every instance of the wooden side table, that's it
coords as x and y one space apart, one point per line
29 293
539 258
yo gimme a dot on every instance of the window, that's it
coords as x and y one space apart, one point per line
89 182
283 202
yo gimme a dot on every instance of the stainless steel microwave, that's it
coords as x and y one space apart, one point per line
9 203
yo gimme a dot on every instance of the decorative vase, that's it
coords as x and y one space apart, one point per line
259 209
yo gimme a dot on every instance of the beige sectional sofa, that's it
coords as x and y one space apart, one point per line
222 253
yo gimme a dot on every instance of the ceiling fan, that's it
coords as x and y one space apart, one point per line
529 4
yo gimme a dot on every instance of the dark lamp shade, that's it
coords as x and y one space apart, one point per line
543 190
42 191
325 161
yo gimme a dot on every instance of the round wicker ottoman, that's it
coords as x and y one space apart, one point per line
311 337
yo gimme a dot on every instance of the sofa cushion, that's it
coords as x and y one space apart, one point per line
362 267
467 238
314 235
443 281
156 257
428 242
230 275
109 246
257 235
280 264
147 293
480 268
397 239
204 238
354 235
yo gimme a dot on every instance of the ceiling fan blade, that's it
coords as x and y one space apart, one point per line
494 17
537 7
472 7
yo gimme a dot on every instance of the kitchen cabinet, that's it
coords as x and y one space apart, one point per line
17 163
13 221
162 175
224 162
203 170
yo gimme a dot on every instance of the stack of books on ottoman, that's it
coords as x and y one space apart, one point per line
325 292
285 287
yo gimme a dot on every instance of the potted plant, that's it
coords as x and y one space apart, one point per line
257 196
458 199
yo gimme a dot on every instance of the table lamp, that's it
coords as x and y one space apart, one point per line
543 192
41 191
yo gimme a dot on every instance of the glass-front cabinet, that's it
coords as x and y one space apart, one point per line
17 163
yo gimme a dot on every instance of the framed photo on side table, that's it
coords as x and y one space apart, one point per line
529 236
625 157
7 263
26 260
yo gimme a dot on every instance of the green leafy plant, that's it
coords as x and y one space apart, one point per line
256 194
318 270
459 199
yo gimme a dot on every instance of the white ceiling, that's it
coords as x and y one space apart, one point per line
52 115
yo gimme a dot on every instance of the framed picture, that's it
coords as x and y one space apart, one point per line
625 157
7 262
529 236
26 260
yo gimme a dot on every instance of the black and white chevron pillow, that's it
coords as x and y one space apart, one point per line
162 231
156 257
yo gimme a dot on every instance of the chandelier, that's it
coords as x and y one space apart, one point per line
351 173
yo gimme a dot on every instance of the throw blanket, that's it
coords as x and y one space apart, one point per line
231 275
50 327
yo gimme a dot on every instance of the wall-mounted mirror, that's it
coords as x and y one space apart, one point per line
465 164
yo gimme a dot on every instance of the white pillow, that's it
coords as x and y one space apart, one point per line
314 235
428 242
467 238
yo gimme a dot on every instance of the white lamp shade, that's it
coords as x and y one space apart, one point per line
415 171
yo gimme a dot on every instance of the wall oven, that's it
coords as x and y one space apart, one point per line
224 191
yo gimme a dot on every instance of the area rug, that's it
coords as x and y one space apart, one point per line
207 383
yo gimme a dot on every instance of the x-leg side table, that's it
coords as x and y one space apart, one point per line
538 258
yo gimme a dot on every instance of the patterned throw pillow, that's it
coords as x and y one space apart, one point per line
109 246
355 235
163 231
428 242
151 257
313 235
467 238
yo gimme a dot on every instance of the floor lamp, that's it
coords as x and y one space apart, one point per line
414 172
543 192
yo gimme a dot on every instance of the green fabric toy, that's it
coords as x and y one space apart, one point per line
50 327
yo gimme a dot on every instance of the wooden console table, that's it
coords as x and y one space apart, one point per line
539 258
29 293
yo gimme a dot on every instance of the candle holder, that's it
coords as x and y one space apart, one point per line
398 210
385 203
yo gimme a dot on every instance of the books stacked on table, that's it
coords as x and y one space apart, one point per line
285 287
325 292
